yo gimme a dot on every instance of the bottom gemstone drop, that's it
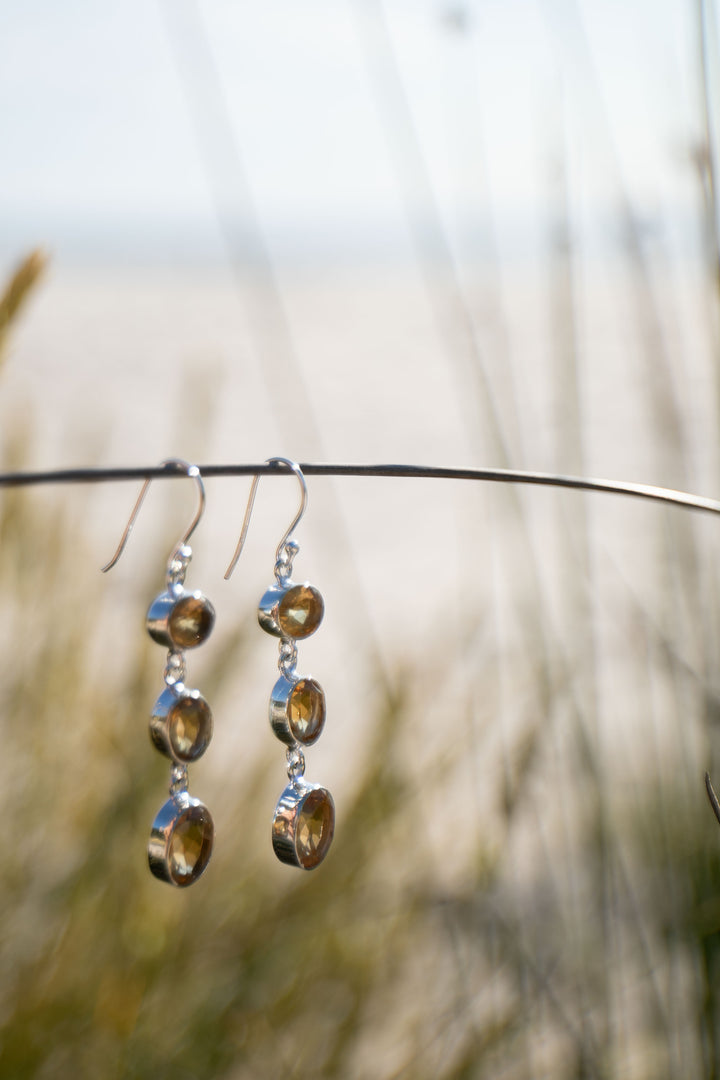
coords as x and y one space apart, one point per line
303 825
181 840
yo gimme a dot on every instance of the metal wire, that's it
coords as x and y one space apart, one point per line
418 472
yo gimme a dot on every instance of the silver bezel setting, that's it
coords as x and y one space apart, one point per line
269 609
279 710
286 841
179 809
161 717
161 611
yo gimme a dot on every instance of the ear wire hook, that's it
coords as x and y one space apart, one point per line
293 465
193 473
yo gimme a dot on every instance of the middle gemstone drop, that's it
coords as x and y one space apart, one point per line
306 711
190 727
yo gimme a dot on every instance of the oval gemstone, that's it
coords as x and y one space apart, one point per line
300 611
315 827
190 727
190 845
306 711
191 620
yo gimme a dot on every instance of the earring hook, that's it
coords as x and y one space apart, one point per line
193 473
293 465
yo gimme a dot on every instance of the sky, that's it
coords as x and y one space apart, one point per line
136 127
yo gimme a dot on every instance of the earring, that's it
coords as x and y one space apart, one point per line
304 818
181 723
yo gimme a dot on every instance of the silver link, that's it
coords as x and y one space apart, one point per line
287 658
296 762
284 564
175 670
178 565
178 779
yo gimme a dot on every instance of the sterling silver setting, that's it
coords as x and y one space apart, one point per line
276 608
303 824
287 718
168 619
181 840
181 723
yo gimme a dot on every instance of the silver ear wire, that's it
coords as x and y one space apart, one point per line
193 473
286 540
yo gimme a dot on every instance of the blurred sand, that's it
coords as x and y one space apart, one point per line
129 366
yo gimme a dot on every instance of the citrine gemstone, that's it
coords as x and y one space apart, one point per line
191 620
300 611
190 845
189 727
306 711
314 828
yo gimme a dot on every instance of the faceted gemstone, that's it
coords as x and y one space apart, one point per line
306 711
314 828
190 845
300 611
189 727
191 620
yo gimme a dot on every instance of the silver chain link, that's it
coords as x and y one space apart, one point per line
284 564
175 670
178 779
296 763
178 566
288 654
287 659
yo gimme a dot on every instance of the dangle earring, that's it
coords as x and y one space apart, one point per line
304 818
181 723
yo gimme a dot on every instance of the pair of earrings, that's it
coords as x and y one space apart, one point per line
181 722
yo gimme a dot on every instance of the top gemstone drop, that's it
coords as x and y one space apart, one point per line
300 611
191 620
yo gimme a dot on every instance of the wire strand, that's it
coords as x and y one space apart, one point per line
417 472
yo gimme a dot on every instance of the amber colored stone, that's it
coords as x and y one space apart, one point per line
300 611
189 727
314 829
191 620
190 845
306 711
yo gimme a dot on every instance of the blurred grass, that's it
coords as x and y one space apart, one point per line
17 291
577 935
562 922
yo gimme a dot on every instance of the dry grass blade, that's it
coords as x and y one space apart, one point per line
17 291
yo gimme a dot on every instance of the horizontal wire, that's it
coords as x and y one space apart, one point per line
420 472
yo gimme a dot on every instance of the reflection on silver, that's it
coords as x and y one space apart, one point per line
291 610
181 840
297 709
180 619
303 824
181 724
